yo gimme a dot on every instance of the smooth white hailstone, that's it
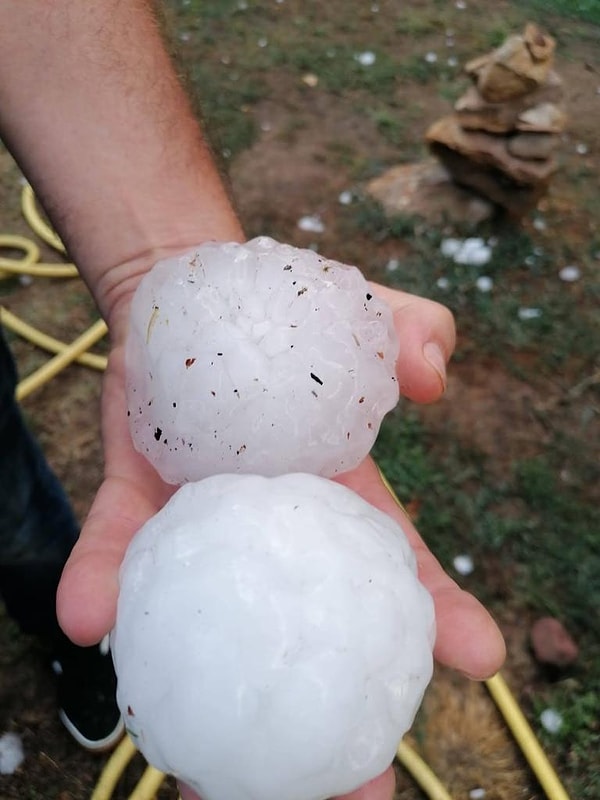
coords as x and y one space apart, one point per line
484 283
11 753
570 273
472 251
551 720
463 564
527 313
450 247
366 59
477 794
259 358
272 638
311 223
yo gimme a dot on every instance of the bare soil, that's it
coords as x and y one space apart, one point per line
305 154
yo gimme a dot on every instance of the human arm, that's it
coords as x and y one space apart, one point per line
93 110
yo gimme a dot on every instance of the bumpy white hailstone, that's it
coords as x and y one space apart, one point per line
272 639
258 358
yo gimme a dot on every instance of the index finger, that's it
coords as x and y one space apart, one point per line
467 639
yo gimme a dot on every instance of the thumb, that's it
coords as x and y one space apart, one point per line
427 338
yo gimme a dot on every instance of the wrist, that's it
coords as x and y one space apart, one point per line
114 287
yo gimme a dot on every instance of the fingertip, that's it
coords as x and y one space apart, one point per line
476 648
427 337
85 610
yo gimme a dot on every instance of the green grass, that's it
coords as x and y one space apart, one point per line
531 525
584 10
524 275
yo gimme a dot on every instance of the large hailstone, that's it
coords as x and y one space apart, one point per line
258 358
272 639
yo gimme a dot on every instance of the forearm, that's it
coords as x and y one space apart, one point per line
91 108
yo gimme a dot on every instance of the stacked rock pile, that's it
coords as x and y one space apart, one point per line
502 138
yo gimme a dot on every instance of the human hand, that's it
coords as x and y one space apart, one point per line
132 492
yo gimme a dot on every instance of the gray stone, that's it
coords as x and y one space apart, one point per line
552 644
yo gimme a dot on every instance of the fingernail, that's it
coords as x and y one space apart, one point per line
432 353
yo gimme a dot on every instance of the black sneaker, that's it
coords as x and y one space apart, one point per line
87 687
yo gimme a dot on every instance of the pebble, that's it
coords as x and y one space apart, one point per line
552 643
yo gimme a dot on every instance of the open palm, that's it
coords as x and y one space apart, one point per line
467 638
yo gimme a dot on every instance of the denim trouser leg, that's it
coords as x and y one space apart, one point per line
37 526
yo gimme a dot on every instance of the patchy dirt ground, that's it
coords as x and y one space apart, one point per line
311 145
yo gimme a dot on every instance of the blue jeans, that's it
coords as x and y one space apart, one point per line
37 525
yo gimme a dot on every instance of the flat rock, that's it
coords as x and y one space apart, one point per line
533 145
487 150
427 190
520 65
543 118
485 175
475 113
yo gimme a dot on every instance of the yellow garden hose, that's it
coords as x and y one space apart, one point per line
9 241
516 721
113 769
76 351
61 360
40 339
526 739
36 222
148 784
421 773
146 787
30 264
